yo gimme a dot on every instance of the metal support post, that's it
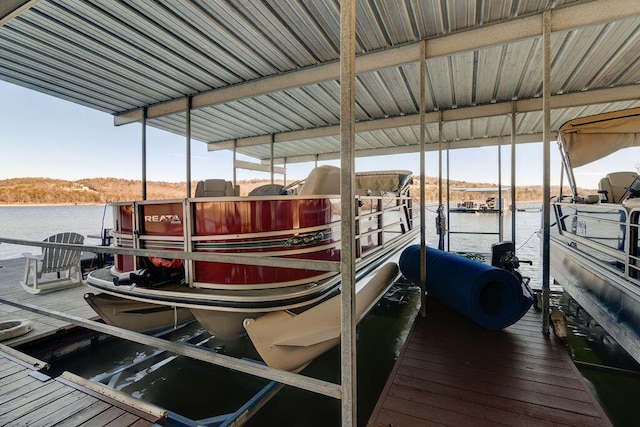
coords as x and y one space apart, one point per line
448 197
271 148
347 235
513 173
423 237
500 200
546 181
144 153
188 144
235 148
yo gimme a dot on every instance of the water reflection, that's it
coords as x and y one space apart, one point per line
613 375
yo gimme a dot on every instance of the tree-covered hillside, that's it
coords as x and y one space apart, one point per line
103 190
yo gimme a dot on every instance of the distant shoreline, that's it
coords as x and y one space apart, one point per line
101 191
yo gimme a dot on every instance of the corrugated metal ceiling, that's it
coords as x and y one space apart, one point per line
120 56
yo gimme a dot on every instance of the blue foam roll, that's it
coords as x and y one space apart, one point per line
490 296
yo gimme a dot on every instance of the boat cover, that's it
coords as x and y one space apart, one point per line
492 297
588 139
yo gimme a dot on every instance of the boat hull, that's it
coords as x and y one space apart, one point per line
137 316
222 311
595 238
601 291
222 294
291 248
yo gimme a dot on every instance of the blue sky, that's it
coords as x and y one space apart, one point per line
42 136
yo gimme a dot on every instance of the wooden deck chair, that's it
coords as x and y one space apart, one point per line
61 265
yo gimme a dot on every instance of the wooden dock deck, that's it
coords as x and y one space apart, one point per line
30 397
453 372
70 301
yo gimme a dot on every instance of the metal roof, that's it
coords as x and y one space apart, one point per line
262 71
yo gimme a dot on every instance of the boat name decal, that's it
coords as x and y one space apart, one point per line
172 219
305 239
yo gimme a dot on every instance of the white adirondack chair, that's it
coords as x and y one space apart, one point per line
56 268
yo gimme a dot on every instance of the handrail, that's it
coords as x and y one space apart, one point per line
195 256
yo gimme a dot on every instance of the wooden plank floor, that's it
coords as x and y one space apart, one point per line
30 397
70 301
453 372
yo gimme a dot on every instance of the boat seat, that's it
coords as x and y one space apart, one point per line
631 203
215 188
588 198
268 190
614 186
323 179
379 183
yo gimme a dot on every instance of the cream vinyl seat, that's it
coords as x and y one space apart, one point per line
215 188
613 187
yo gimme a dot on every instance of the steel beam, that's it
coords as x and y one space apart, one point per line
564 19
414 148
9 9
423 174
600 96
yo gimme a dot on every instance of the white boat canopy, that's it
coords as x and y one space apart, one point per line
588 139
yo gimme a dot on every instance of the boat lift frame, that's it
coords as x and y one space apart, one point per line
159 358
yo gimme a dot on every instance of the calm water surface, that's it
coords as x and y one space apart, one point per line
39 222
199 390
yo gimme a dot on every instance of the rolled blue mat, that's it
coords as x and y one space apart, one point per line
490 296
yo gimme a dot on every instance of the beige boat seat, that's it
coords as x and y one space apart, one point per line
215 188
269 190
323 179
379 183
614 186
326 180
588 198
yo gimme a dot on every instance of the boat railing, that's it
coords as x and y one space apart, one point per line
391 216
604 233
633 251
182 226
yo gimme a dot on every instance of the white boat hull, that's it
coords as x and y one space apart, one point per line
595 238
610 299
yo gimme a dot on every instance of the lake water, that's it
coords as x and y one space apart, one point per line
197 390
39 222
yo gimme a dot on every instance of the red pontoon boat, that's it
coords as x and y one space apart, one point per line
298 223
